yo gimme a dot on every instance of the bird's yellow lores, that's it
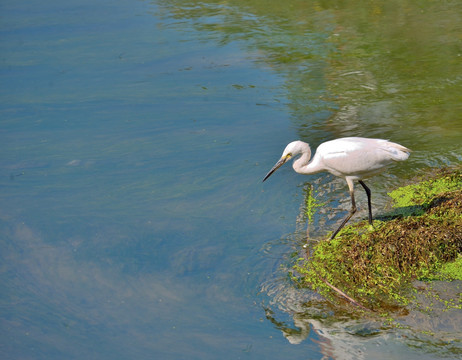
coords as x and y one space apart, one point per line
352 158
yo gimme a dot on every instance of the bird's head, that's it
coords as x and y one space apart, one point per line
291 150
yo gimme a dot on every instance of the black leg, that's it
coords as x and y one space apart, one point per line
351 213
368 192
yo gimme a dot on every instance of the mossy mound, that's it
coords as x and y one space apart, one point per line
417 240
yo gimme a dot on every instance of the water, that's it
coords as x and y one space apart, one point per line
135 136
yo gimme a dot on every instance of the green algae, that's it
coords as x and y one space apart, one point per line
414 199
449 271
420 239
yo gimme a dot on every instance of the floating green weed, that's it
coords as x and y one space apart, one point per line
417 197
447 272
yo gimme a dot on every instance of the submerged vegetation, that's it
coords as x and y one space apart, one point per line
420 239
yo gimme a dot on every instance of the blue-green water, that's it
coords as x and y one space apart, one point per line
134 138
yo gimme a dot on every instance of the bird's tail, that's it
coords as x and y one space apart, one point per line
398 152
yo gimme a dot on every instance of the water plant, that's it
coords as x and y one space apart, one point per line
308 208
420 239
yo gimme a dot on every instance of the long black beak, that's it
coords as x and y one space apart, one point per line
281 162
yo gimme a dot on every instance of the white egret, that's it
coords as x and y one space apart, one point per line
352 158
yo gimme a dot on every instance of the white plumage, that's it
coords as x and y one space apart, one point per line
352 158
